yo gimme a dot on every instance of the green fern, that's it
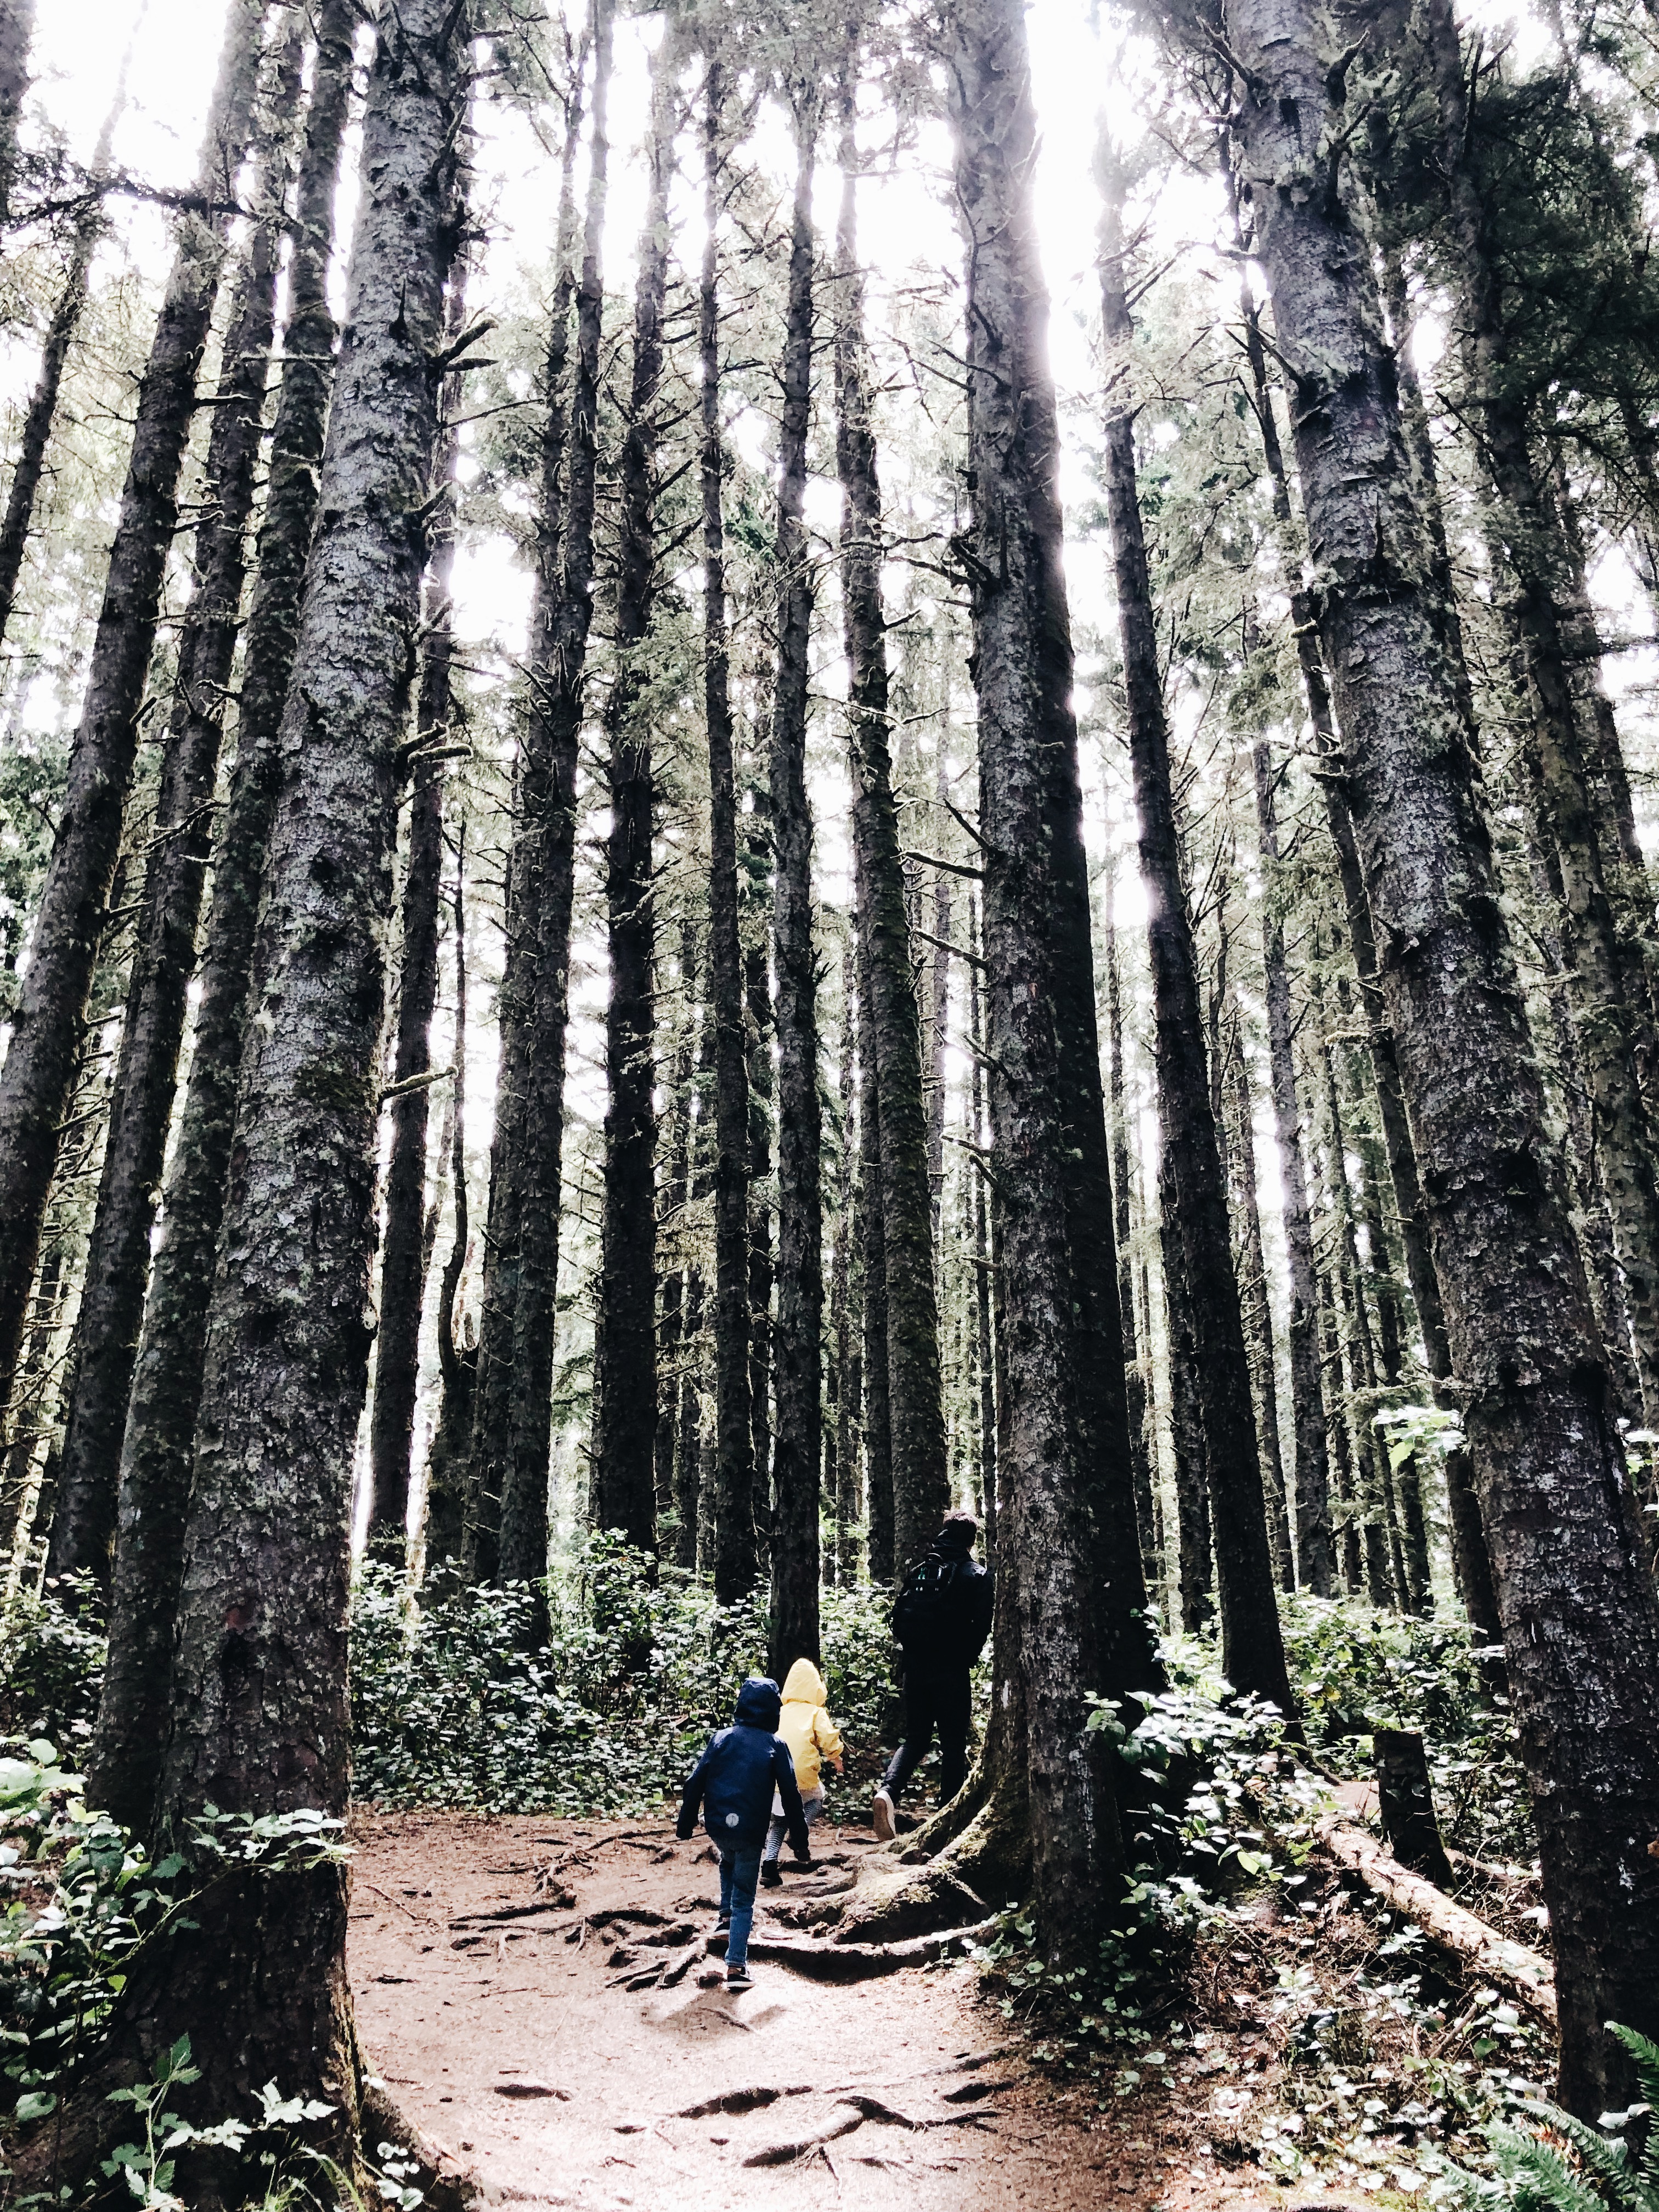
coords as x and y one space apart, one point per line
1531 2176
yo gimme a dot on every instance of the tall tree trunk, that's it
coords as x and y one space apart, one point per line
801 1226
403 1261
623 1493
736 1565
69 920
671 1213
89 228
868 1236
117 1255
844 1396
1047 1553
156 1452
1259 1320
458 1362
758 1002
984 1337
1134 1374
1252 1649
16 33
259 1710
1313 1509
1606 974
1581 1625
690 1503
1194 1551
559 627
938 995
915 1410
517 1094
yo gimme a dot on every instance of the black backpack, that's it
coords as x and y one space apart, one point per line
924 1612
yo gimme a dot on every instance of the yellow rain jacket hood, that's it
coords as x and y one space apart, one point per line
805 1727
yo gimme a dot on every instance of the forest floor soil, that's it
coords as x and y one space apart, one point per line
491 1959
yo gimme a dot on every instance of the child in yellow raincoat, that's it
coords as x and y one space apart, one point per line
812 1738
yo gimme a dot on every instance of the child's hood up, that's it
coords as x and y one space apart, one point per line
804 1685
757 1705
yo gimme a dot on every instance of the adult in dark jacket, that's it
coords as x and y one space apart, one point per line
734 1783
941 1621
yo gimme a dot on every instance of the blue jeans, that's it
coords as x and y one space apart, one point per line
810 1805
739 1872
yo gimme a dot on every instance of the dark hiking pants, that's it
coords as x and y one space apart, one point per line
941 1702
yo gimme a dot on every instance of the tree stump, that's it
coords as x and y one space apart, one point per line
1407 1803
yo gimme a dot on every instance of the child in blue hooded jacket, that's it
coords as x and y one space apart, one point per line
733 1782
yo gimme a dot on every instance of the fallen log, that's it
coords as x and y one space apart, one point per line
1526 1975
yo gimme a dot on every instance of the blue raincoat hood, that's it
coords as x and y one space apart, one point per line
759 1704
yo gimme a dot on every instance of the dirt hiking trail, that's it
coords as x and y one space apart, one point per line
532 1991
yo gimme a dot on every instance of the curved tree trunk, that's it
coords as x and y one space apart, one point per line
800 1223
155 1453
69 920
1581 1626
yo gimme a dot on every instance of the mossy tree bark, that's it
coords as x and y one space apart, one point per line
737 1561
797 1350
623 1483
259 1715
170 903
1251 1648
154 1481
1581 1625
921 1488
69 920
16 35
1046 1550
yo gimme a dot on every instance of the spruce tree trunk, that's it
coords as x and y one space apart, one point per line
89 226
1313 1509
843 1498
695 1551
1259 1320
623 1482
984 1336
260 1713
16 33
758 1002
405 1254
1581 1625
161 1419
118 1254
1134 1375
920 1485
39 1071
801 1226
458 1362
510 1156
1252 1649
559 627
868 1236
1605 973
676 1192
1046 1548
1194 1551
737 1564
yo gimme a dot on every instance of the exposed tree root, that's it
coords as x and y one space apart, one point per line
865 2107
1526 1975
859 1962
446 2184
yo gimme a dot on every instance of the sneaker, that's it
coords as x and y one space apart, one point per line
882 1820
723 1925
738 1978
771 1876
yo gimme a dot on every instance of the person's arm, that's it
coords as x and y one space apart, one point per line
827 1736
686 1826
783 1773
